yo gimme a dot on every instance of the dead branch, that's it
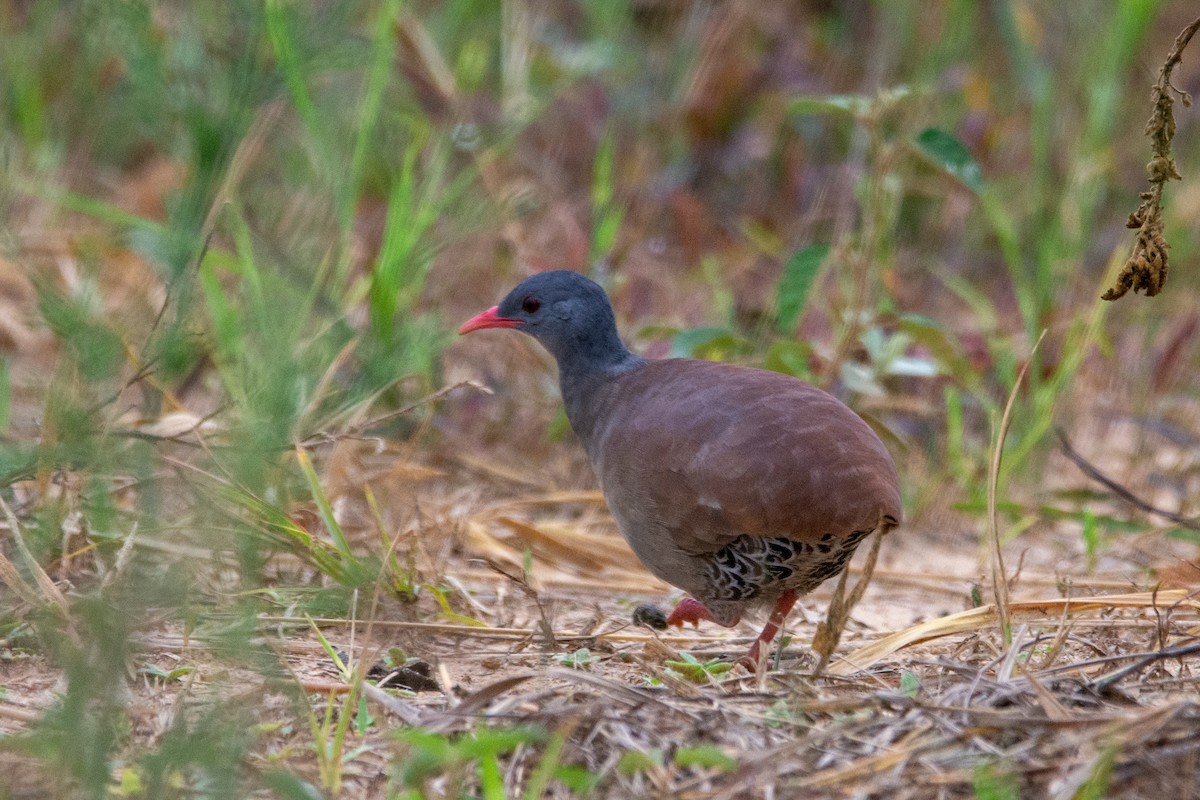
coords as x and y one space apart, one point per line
1120 491
1146 268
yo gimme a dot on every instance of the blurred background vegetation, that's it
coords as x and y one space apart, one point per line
236 232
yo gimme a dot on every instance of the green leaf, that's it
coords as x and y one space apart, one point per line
952 156
226 324
704 756
287 786
634 761
931 335
708 342
994 781
495 741
131 784
336 534
577 778
692 669
1184 535
166 675
790 357
1099 781
99 209
794 286
362 718
491 780
780 715
910 684
80 323
580 659
449 614
285 45
1091 534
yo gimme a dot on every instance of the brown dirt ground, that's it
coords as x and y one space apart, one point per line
1054 709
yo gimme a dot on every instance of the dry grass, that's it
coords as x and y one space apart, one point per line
1096 695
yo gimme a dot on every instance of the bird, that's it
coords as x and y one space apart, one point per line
743 487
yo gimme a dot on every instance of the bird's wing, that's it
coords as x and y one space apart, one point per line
711 452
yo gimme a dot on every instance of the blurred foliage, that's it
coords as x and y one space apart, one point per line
244 226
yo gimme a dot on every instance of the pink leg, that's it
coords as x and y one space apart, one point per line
689 610
783 607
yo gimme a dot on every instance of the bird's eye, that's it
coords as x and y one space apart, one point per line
530 305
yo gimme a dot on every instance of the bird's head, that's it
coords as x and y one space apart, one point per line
567 313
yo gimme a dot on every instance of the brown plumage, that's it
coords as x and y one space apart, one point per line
738 485
693 454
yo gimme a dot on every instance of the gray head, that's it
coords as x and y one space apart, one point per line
567 313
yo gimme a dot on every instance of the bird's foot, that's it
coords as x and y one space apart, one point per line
751 659
783 607
689 610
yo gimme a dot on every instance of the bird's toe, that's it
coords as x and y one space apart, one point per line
689 610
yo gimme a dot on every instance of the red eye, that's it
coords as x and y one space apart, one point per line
530 305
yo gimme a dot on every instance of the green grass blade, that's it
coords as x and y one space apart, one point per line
325 509
799 274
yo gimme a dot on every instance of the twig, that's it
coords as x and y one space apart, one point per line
143 372
472 631
1142 662
356 430
176 438
18 714
1120 491
999 576
829 631
1146 268
522 583
51 596
976 619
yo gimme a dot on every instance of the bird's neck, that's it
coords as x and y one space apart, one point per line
583 380
578 377
590 354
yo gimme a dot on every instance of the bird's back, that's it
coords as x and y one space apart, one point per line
706 453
